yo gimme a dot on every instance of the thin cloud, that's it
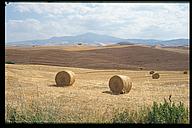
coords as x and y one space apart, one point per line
125 20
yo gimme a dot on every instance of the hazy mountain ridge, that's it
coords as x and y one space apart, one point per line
143 41
175 42
98 39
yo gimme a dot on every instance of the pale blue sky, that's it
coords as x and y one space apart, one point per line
30 21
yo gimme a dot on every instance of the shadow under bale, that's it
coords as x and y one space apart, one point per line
185 72
108 92
151 72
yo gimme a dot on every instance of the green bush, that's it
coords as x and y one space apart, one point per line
167 112
10 62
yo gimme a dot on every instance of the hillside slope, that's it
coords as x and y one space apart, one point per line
131 57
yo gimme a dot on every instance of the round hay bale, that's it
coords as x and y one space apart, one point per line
65 78
185 72
120 84
156 76
151 72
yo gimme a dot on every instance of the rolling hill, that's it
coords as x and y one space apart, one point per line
128 57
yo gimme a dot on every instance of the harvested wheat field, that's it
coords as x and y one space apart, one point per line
89 99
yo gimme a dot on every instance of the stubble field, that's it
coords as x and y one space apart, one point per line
90 98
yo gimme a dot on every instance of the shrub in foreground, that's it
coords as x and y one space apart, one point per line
166 112
10 62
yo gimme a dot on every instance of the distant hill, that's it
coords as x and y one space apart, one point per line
105 58
175 42
143 41
100 40
152 42
87 38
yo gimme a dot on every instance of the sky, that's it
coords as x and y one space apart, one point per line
31 21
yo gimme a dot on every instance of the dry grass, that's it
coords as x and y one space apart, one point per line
86 100
70 47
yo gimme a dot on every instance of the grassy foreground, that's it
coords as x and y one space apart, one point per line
166 112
